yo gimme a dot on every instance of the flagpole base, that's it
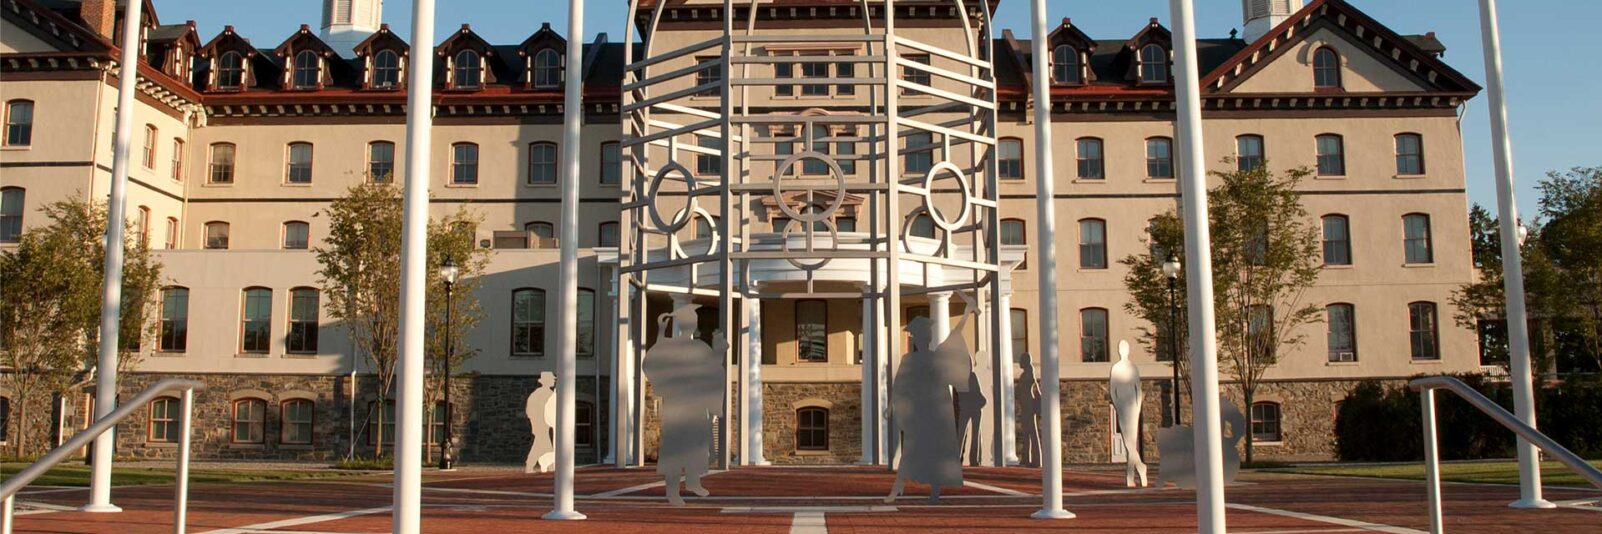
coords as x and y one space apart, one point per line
1532 504
1053 514
561 515
106 508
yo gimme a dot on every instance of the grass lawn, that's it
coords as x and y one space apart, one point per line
78 475
1500 472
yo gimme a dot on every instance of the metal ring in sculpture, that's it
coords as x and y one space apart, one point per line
928 196
656 185
804 215
834 236
696 211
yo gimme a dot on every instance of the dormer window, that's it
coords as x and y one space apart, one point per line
230 71
386 70
1326 69
307 71
466 70
1153 64
1065 65
547 69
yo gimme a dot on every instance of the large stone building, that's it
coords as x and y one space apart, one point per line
240 145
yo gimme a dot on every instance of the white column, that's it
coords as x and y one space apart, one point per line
1512 262
567 280
868 382
614 444
753 454
1199 276
1046 269
408 492
939 316
881 378
111 288
1005 399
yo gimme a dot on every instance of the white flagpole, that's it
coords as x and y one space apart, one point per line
567 281
414 271
1045 244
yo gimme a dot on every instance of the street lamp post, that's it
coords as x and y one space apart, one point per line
1171 271
447 274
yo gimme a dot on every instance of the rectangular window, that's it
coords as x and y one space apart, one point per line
164 414
1159 158
815 72
300 164
297 421
297 235
713 73
584 425
303 320
222 164
611 164
381 162
528 322
1260 331
249 419
1342 333
11 210
174 319
464 164
1091 164
384 432
1417 239
709 164
217 235
845 71
1092 244
19 123
178 160
256 317
915 75
586 323
172 234
1423 332
1337 240
1020 332
812 331
920 153
782 71
812 429
1009 164
541 163
1093 335
1331 155
150 146
1265 422
1249 152
1409 155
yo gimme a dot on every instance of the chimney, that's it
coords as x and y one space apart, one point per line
1263 15
100 16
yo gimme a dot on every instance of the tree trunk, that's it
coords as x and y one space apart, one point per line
1249 391
378 432
22 421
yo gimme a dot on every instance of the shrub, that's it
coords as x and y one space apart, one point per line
1383 424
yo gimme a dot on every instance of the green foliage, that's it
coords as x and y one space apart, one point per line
49 320
382 463
1378 423
1477 472
77 475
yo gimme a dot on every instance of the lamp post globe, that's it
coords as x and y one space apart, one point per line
447 276
1171 272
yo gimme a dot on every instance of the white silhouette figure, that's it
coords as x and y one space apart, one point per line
1125 392
922 408
1028 403
970 411
541 411
687 375
1177 446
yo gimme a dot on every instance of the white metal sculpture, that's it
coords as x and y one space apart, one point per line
923 410
1125 392
541 411
1028 402
687 375
1176 444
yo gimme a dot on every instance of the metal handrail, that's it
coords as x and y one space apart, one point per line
9 489
1432 469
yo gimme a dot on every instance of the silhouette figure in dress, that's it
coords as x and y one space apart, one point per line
687 374
1177 445
1028 402
1125 392
541 411
922 408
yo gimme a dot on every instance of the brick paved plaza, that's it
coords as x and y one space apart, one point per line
806 500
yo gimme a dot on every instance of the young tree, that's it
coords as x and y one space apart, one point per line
49 320
361 275
1265 256
451 237
1150 300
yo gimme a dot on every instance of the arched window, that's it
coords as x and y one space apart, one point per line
607 235
1009 163
303 308
466 70
1160 157
542 163
299 164
250 421
812 429
149 153
1093 335
386 70
172 233
11 210
584 425
296 420
1417 241
217 235
547 69
1265 422
1092 244
381 162
703 227
1326 69
1409 154
1065 65
1342 320
221 167
528 322
297 235
586 323
611 163
542 229
922 226
1249 152
1331 155
230 71
1423 331
177 159
464 164
19 123
307 74
174 336
1337 240
1153 64
812 331
256 320
164 417
1092 165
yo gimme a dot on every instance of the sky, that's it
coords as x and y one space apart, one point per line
1552 125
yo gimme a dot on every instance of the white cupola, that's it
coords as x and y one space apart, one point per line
1263 15
347 23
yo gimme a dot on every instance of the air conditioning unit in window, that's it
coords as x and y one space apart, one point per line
1343 357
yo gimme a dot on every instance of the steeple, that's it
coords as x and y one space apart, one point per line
1263 15
347 22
